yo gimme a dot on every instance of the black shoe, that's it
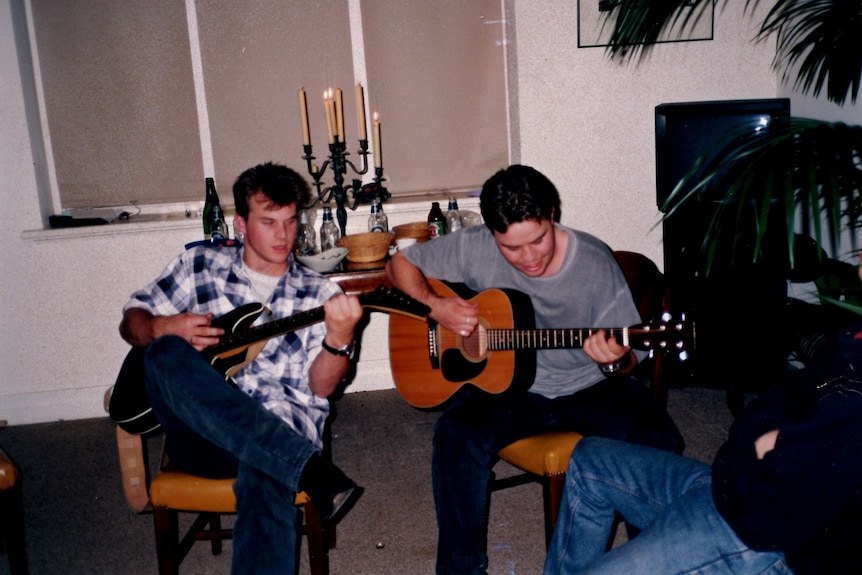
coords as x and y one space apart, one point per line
331 492
342 503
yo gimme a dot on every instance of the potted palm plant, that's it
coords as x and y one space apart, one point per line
809 169
803 175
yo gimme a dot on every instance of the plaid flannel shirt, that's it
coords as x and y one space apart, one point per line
206 280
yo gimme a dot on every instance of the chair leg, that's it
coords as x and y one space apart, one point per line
214 520
320 540
12 530
166 523
553 492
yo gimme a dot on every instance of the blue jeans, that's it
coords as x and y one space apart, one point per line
217 431
476 425
667 496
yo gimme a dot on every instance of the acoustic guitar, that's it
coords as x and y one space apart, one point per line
129 405
430 363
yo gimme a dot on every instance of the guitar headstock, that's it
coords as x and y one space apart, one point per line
668 335
392 300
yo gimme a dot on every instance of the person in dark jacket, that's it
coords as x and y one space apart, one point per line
784 493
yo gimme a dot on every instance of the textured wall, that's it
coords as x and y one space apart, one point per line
587 123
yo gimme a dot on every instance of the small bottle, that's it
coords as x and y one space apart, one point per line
218 227
436 221
306 241
329 232
210 202
377 221
453 216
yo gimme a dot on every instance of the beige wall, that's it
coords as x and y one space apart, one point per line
585 122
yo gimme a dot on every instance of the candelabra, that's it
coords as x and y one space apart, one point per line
345 196
349 195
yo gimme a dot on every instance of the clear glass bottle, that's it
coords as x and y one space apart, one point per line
377 221
436 221
329 232
306 238
453 216
218 227
210 201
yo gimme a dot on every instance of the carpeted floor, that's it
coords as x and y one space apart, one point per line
77 521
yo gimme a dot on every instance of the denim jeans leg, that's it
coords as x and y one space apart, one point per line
467 438
689 537
265 536
183 386
605 476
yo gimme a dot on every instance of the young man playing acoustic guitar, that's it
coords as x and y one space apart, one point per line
573 281
267 429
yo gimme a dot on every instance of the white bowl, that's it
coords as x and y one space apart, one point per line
324 261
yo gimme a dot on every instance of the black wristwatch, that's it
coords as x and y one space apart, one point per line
345 351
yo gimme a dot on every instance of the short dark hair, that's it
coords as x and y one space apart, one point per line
515 194
281 185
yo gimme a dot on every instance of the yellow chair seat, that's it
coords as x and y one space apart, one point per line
12 542
8 472
543 454
186 492
171 492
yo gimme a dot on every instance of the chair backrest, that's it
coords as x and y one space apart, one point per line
651 295
646 282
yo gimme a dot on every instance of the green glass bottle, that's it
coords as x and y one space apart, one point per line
210 202
436 221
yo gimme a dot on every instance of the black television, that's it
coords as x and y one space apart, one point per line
730 309
686 130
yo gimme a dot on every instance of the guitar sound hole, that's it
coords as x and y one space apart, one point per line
475 345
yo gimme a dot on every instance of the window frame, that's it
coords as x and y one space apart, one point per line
207 160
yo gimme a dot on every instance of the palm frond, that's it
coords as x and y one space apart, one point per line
817 42
639 24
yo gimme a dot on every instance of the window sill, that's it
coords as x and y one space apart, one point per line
399 209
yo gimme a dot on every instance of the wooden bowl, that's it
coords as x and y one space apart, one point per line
418 230
366 247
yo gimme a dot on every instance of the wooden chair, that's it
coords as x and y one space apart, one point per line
172 492
544 457
12 517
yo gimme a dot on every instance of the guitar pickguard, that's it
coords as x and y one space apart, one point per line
456 367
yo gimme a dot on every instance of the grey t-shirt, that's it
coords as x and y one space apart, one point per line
589 291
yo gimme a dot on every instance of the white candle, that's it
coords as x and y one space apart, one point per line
378 158
303 111
360 112
330 126
339 114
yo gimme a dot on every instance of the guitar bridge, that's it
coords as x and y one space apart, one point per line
433 344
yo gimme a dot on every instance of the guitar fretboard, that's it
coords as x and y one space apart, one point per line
267 330
505 339
385 299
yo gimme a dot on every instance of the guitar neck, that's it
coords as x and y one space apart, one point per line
384 299
508 339
267 330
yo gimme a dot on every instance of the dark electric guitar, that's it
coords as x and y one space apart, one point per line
430 363
129 405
